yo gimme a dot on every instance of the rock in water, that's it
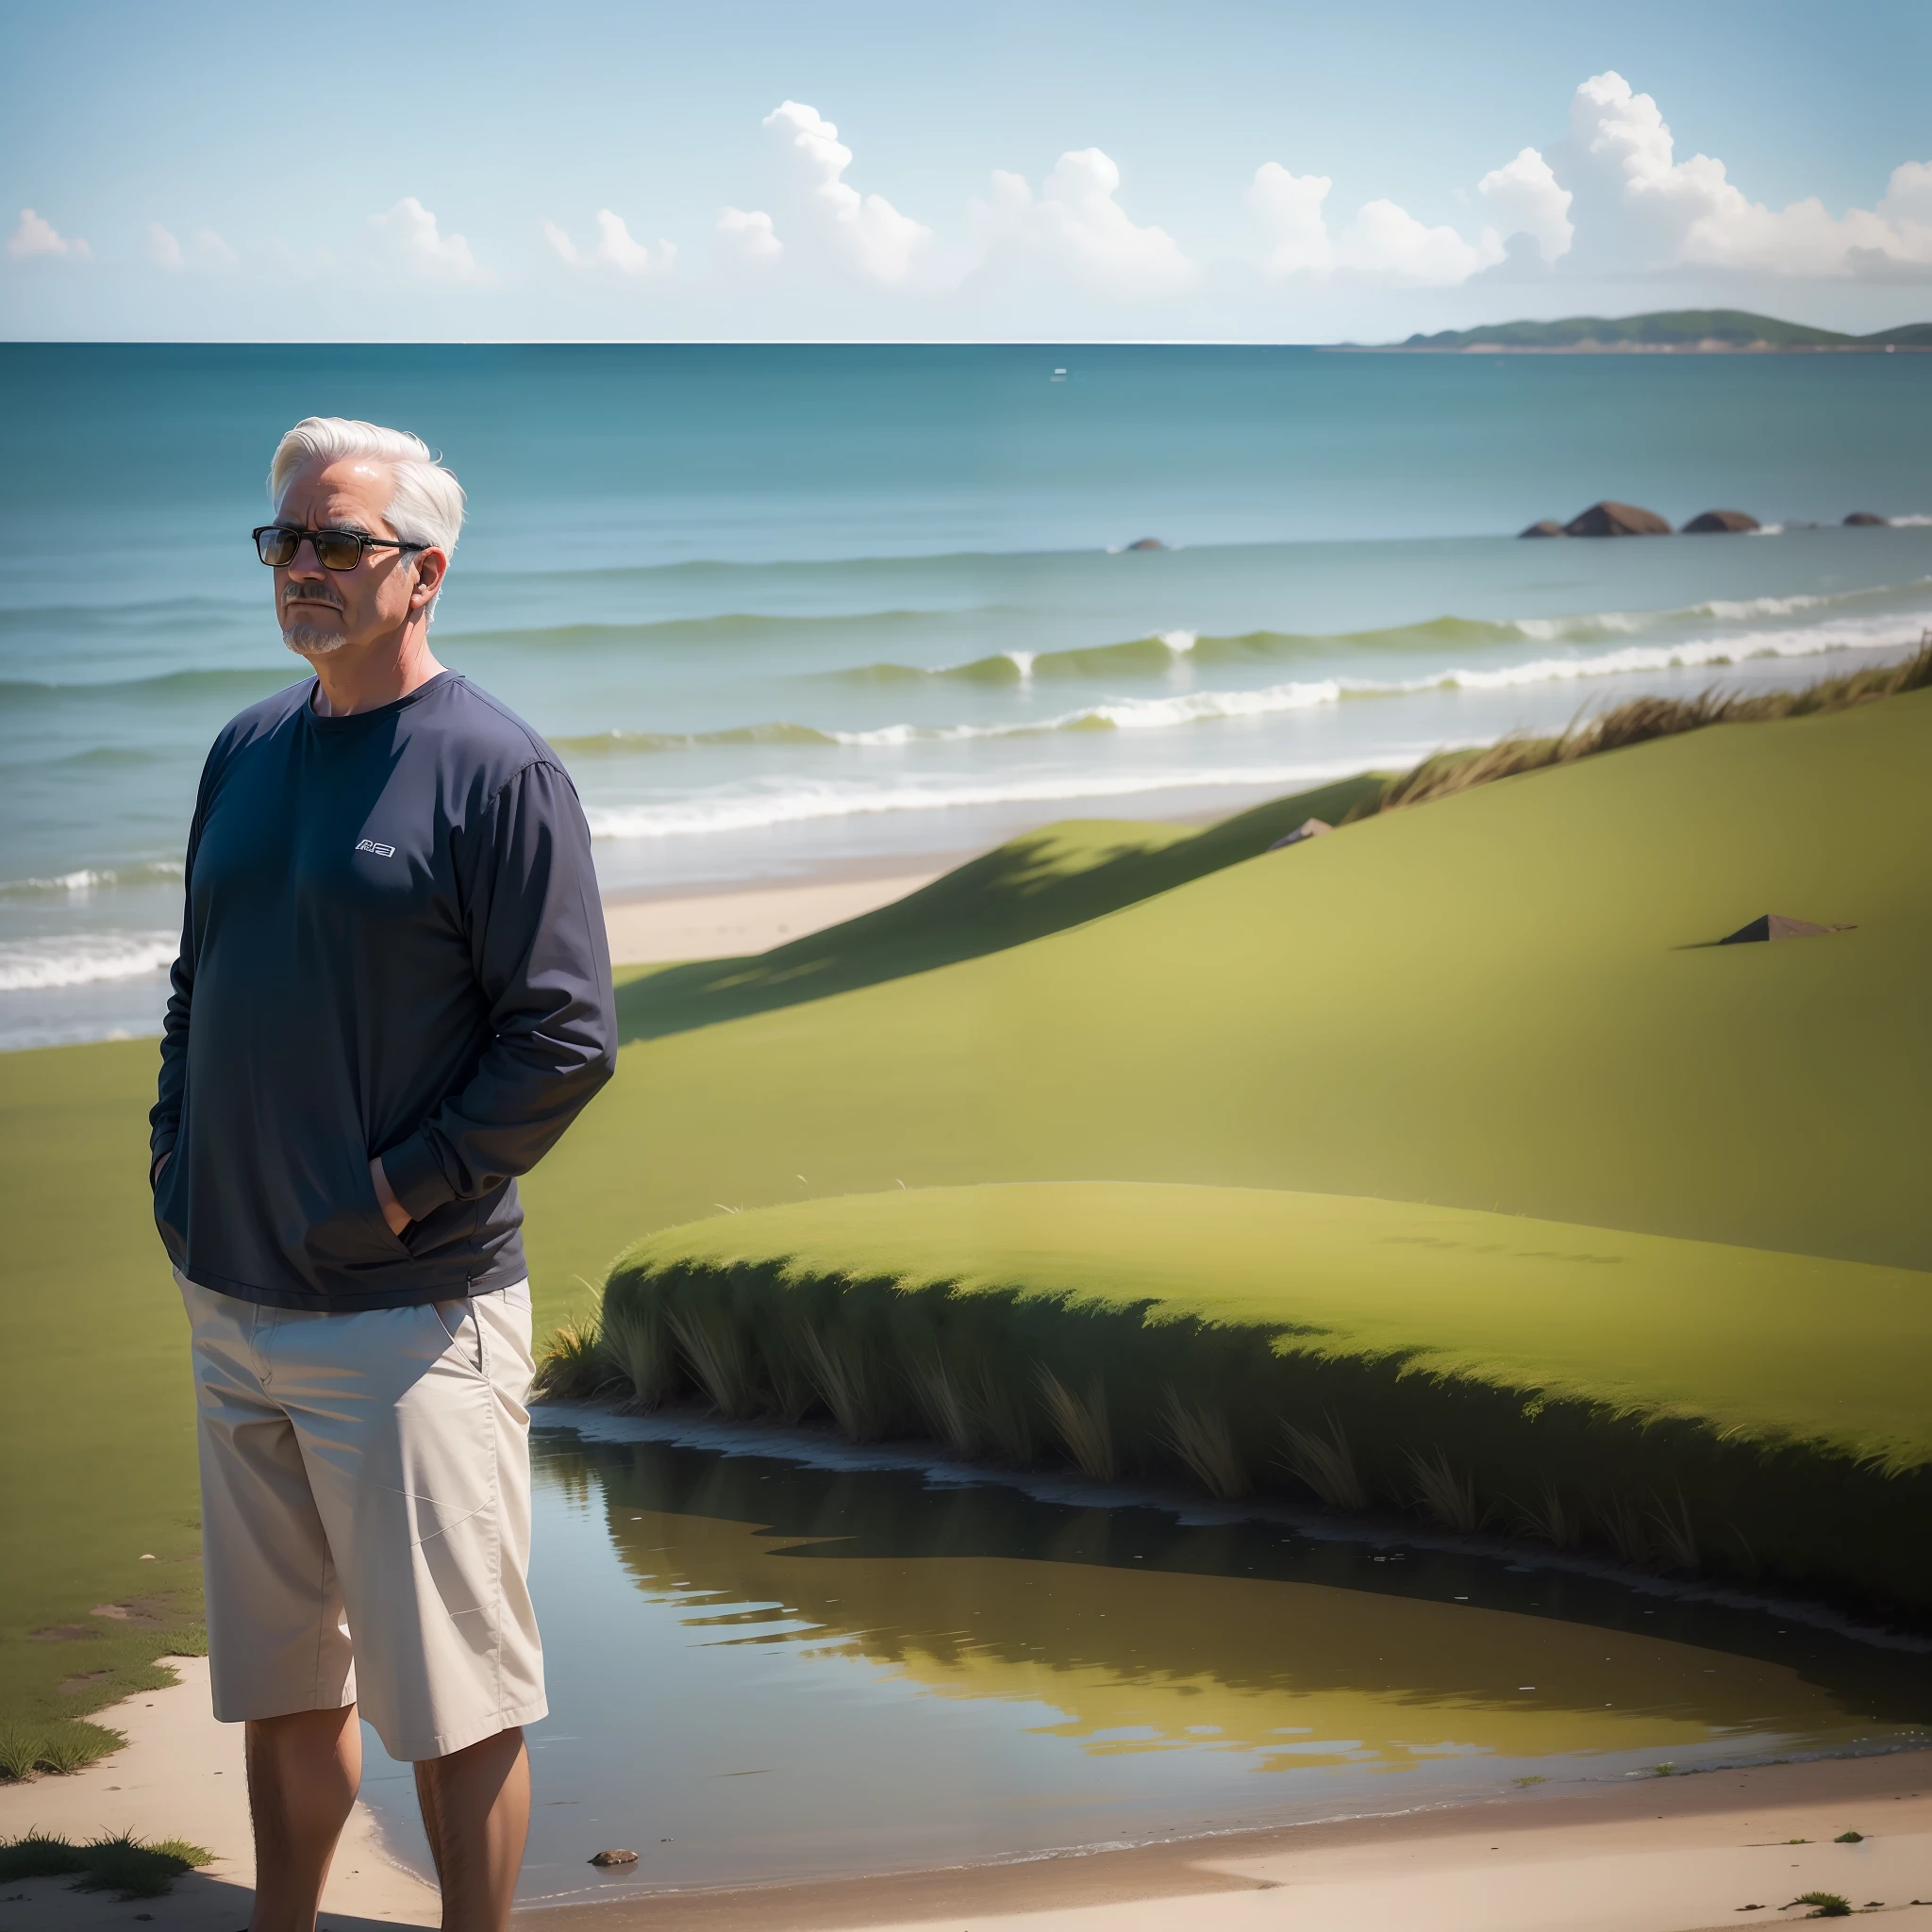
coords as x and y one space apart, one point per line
1778 925
1146 544
1713 521
1864 518
618 1856
1309 828
1548 527
1617 520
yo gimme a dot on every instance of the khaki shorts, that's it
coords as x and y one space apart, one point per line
365 1490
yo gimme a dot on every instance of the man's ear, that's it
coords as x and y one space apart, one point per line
431 567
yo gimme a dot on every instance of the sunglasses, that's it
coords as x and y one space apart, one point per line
336 550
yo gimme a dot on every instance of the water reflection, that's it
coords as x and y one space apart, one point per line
761 1669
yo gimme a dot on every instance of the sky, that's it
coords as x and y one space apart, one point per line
766 170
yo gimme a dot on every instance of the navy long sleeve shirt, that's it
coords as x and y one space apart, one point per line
393 946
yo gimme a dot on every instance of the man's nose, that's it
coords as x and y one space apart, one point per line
304 564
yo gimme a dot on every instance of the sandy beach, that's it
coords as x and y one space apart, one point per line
710 926
1680 1854
182 1776
1661 1855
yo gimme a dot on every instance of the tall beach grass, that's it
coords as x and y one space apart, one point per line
1638 721
1025 1372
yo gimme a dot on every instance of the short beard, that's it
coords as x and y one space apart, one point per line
311 641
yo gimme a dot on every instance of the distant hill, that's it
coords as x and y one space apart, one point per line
1671 328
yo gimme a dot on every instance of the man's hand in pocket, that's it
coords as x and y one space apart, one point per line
392 1208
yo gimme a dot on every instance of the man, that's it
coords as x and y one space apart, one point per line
393 997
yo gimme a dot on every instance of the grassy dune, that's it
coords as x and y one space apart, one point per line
1507 1003
1499 1002
1652 1328
1678 1401
1503 1000
1041 882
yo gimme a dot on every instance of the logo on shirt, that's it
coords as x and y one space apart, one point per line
380 851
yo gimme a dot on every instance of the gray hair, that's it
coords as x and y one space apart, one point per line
427 504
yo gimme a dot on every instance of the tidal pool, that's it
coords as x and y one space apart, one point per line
804 1661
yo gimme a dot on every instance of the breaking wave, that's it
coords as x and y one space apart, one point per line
82 958
1157 654
1200 706
160 871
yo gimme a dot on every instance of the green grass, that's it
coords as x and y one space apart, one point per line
1637 721
129 1867
1683 1400
1504 1000
97 1431
54 1746
1495 1003
1506 1005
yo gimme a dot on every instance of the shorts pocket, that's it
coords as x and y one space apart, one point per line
465 1331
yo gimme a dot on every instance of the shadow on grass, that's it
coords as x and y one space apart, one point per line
127 1865
1065 874
1040 883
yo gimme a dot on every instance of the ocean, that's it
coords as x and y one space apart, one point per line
788 610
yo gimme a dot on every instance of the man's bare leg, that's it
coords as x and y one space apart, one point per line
302 1771
476 1810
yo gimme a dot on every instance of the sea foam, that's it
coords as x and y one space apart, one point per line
748 808
1183 708
91 879
82 958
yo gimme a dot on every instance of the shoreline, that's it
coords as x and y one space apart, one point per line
651 925
1676 1854
818 1445
829 871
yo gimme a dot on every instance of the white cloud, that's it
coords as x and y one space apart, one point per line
207 251
162 248
1077 225
615 248
1909 194
1617 201
1645 210
749 234
1288 208
407 235
1385 239
867 228
1527 199
1384 242
34 236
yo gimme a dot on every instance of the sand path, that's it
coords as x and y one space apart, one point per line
181 1776
717 926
